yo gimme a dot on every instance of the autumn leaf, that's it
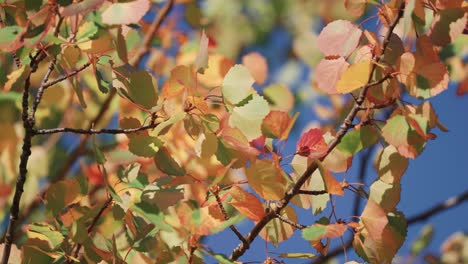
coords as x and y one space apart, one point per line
276 123
312 144
276 230
374 219
328 72
125 13
339 37
318 231
257 65
246 203
266 179
354 77
237 84
332 186
248 117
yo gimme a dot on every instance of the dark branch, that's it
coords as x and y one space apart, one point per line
312 192
91 226
226 217
68 75
93 131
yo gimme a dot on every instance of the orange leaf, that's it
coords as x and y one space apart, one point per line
247 204
374 219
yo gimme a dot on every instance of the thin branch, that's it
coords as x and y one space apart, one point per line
145 47
347 124
41 89
93 131
438 208
93 223
68 75
226 217
312 192
289 222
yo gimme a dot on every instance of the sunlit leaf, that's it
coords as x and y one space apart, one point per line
328 72
237 84
391 165
247 204
248 118
374 219
276 230
358 139
257 66
125 13
312 144
354 77
318 231
339 37
279 97
266 179
47 233
332 186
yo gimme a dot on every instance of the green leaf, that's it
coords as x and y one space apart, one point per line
86 32
359 139
237 84
103 85
47 233
8 35
143 145
167 164
142 89
314 233
248 118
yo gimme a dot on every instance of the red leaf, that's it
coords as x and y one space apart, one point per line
312 144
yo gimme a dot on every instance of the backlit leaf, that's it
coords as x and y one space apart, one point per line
266 179
355 77
328 72
339 37
257 66
374 219
237 84
318 231
358 139
312 144
275 124
391 165
279 97
398 132
332 186
247 204
248 117
47 233
276 230
125 13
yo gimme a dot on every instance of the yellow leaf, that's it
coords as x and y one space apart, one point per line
354 77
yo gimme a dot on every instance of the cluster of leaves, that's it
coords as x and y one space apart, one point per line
202 149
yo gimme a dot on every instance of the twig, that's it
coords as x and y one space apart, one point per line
289 222
226 217
312 192
93 131
41 89
241 248
93 223
73 73
447 204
